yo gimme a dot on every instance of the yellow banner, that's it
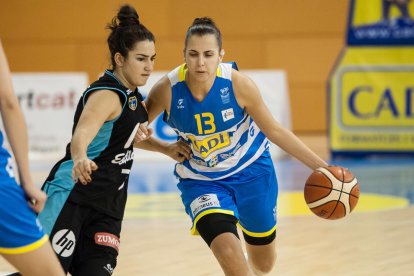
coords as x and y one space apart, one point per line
372 101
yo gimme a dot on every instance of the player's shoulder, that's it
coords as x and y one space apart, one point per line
240 79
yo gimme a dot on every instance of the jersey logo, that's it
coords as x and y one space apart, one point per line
123 158
227 114
210 144
203 202
107 239
225 95
63 242
180 104
109 268
132 103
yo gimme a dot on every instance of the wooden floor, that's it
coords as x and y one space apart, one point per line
365 243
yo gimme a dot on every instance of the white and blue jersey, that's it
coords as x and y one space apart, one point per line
20 231
231 171
223 137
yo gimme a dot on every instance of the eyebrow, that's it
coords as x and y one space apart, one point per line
191 50
145 55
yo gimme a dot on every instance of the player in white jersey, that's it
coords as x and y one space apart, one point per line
230 178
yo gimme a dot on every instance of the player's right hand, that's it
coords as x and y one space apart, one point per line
143 133
179 151
82 170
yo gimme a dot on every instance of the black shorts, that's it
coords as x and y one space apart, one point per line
85 240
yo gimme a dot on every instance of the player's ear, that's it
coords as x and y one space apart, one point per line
221 55
119 59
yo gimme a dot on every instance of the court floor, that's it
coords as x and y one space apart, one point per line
376 239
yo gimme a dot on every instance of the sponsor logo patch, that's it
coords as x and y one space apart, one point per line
204 202
227 114
107 239
123 158
63 242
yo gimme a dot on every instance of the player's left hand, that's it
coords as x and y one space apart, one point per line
179 151
36 197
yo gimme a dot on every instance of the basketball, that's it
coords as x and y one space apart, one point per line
331 192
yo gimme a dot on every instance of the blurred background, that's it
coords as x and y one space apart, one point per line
302 43
301 37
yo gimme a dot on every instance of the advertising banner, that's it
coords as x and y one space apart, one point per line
48 101
371 97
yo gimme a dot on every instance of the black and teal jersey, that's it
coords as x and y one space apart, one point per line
111 150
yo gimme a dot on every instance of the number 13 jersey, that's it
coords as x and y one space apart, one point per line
223 137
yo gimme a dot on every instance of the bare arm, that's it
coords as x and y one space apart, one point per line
248 97
158 100
16 131
101 106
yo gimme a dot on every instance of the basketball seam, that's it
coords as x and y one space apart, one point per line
340 194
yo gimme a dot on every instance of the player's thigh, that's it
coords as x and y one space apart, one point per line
99 246
202 198
257 203
67 232
38 262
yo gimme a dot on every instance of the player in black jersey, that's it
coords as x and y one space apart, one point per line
87 189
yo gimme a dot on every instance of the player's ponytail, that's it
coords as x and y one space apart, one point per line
126 30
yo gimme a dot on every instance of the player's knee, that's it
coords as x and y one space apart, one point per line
262 264
212 225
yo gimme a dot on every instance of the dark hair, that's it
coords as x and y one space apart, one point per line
126 30
202 26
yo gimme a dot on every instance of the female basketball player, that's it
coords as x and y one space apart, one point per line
87 189
22 240
230 177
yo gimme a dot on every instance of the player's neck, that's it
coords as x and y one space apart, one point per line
120 77
199 89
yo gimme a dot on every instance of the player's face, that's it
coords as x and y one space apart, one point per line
139 64
202 57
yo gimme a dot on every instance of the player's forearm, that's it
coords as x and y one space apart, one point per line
290 143
79 144
16 131
152 144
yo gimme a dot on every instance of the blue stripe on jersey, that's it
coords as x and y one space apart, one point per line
223 137
101 140
112 75
58 191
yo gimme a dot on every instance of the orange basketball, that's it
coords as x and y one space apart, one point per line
331 192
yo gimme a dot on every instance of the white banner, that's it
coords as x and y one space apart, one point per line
48 101
272 85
